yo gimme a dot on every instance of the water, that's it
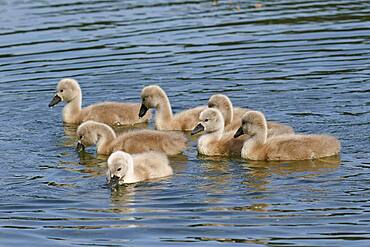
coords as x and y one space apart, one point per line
305 63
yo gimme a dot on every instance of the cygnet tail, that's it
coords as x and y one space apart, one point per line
324 146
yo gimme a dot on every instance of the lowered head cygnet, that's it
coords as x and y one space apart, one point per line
112 113
215 141
124 168
282 147
154 97
135 141
232 116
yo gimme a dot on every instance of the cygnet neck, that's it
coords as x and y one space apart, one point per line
105 136
257 139
72 110
164 111
261 136
227 112
130 176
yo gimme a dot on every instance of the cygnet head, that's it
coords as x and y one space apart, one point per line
253 122
210 120
223 104
67 90
151 97
119 164
86 135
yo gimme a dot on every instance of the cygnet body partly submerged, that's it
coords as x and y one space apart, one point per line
282 147
124 168
154 97
232 116
136 141
216 142
112 113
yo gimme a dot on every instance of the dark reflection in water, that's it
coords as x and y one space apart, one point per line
304 63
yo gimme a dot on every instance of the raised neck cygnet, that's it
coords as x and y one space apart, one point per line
112 113
136 141
154 97
124 168
282 147
232 116
214 141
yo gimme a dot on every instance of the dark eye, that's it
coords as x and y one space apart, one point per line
80 137
206 120
119 169
61 90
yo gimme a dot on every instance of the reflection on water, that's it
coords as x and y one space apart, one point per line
123 198
304 63
326 164
260 172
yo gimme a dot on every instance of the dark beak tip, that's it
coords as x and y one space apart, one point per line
197 129
143 110
56 99
114 181
80 147
238 133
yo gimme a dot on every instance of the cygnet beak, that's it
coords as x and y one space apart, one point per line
114 181
55 100
197 129
143 110
239 132
80 147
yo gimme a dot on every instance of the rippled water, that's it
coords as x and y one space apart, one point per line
304 63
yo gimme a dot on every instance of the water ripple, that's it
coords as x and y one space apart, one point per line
304 63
